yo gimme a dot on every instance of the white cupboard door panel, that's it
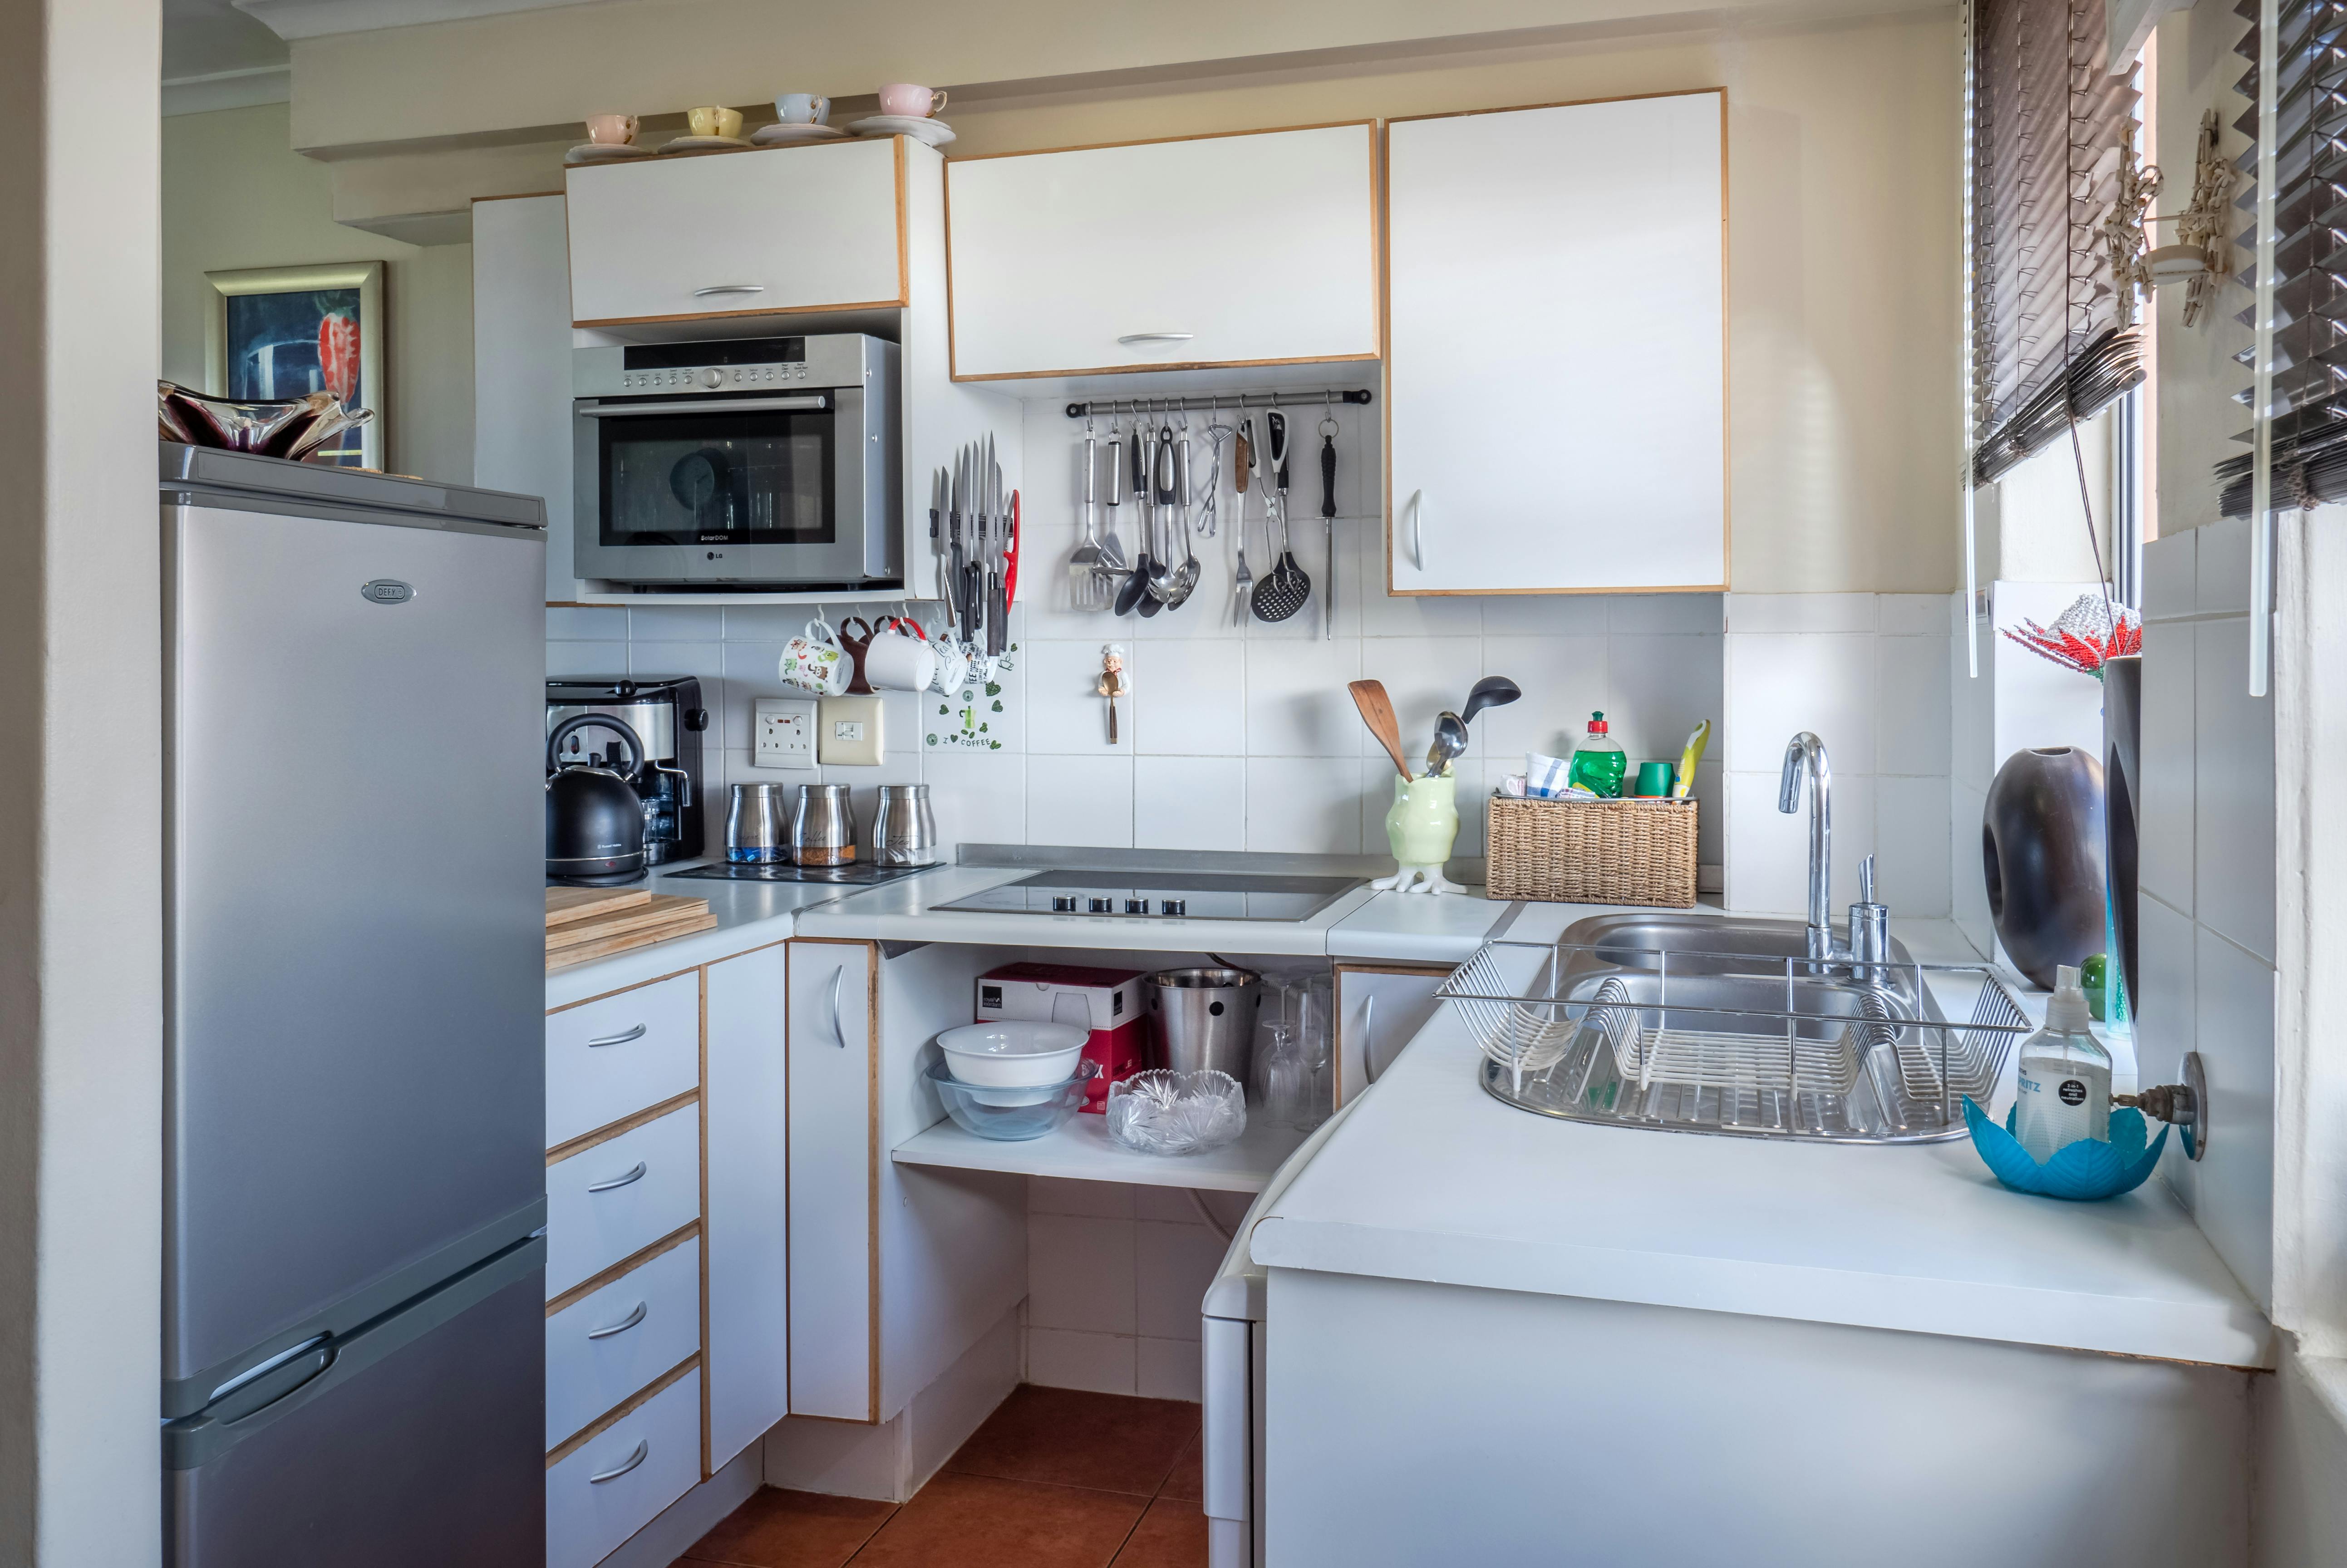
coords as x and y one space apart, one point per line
609 1059
1555 378
1379 1011
1050 273
619 1196
613 1484
748 1219
611 1342
792 229
833 1180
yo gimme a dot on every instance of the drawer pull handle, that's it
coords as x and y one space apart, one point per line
729 289
1417 528
838 1028
621 1037
643 1452
635 1175
1369 1040
1156 337
622 1327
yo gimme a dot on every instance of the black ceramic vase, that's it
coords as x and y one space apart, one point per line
2123 787
2042 849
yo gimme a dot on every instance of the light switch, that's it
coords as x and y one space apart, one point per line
849 731
784 733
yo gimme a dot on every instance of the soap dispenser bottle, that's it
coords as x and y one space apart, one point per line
2065 1077
1599 762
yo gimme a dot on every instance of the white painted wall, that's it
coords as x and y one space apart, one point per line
80 922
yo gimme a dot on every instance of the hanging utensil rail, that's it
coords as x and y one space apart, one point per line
1201 403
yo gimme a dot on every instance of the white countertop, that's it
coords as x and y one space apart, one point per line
1432 1179
749 915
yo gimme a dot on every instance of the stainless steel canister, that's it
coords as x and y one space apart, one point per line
1202 1019
903 832
757 830
823 827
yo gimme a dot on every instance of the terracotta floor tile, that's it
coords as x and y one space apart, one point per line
778 1529
1063 1436
1188 1479
1171 1534
976 1521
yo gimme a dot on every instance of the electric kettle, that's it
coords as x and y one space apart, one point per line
594 818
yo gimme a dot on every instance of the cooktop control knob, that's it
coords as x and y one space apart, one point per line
1173 907
1100 906
1136 905
1063 903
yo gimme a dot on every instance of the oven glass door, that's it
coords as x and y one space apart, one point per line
710 475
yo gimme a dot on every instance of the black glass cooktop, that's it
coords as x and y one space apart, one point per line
1162 895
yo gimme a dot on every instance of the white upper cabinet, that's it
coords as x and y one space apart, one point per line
1257 249
738 233
1556 373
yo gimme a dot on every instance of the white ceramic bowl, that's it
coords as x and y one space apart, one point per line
1012 1055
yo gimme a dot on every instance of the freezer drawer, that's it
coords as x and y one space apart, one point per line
617 1197
613 1484
612 1058
417 1441
611 1342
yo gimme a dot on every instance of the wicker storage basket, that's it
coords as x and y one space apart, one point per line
1637 851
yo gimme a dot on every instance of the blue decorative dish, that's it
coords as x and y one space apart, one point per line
2082 1172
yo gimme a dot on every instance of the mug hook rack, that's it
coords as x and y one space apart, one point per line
1320 396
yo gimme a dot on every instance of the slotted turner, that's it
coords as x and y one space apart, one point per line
1280 594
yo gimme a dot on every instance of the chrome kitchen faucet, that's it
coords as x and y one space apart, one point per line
1869 937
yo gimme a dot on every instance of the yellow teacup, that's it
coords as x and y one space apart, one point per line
712 120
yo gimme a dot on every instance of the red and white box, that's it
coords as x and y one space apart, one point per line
1106 1002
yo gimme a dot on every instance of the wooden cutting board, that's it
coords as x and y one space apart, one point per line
652 917
565 906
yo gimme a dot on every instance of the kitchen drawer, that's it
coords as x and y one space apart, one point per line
614 1484
1300 287
604 1347
612 1058
620 1196
746 233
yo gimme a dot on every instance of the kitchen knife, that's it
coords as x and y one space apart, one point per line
957 604
937 526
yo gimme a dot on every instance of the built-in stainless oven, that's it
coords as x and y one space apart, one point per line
756 463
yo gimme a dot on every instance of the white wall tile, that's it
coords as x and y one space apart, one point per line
675 623
2233 799
977 797
1911 830
1561 614
1410 615
2221 575
1096 1363
702 661
2166 857
1768 851
1066 716
1189 702
2231 1190
1971 758
1189 802
2166 1013
1173 1205
1173 1263
767 622
1779 684
1303 805
1968 884
1296 701
1658 688
586 659
1088 1200
1080 800
1423 676
1914 726
1079 1274
1169 1369
2170 574
1565 680
586 623
1796 612
1911 614
1665 612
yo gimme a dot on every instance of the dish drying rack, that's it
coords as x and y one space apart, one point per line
1735 1043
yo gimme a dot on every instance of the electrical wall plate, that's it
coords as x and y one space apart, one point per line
783 732
848 731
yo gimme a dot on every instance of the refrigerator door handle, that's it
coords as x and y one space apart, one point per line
622 1037
633 1176
643 1452
622 1327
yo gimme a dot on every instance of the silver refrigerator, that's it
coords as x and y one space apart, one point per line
354 1102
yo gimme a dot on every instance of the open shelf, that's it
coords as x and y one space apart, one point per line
1080 1151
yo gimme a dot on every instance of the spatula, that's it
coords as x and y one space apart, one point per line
1377 714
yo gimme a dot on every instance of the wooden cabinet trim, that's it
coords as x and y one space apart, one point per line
628 1264
649 1113
705 1215
1157 140
621 991
621 1411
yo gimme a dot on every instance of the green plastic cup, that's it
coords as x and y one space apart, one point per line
1654 778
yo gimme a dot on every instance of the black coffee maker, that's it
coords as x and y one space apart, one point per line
666 715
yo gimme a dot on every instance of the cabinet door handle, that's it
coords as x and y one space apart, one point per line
631 1178
643 1452
621 1037
729 289
838 1028
1369 1038
623 1325
1156 337
1417 528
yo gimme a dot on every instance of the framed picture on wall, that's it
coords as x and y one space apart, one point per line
287 331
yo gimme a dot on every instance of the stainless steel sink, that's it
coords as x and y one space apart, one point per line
1712 1024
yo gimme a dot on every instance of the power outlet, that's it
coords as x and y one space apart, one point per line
784 733
849 731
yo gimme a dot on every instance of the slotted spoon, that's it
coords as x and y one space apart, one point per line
1284 591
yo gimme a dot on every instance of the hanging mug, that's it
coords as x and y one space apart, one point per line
898 658
953 668
858 685
814 662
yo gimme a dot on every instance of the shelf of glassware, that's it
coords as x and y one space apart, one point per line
1080 1150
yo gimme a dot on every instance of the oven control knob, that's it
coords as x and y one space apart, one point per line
1136 905
1173 907
712 377
1063 903
1099 906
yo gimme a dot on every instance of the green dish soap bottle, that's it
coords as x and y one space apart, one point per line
1598 762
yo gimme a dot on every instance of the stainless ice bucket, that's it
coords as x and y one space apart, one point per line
1202 1019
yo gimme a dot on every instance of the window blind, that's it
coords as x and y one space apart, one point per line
2047 120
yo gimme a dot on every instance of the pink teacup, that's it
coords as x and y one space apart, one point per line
612 129
905 99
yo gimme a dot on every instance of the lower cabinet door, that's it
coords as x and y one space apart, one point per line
611 1342
614 1199
617 1482
833 1180
749 1353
